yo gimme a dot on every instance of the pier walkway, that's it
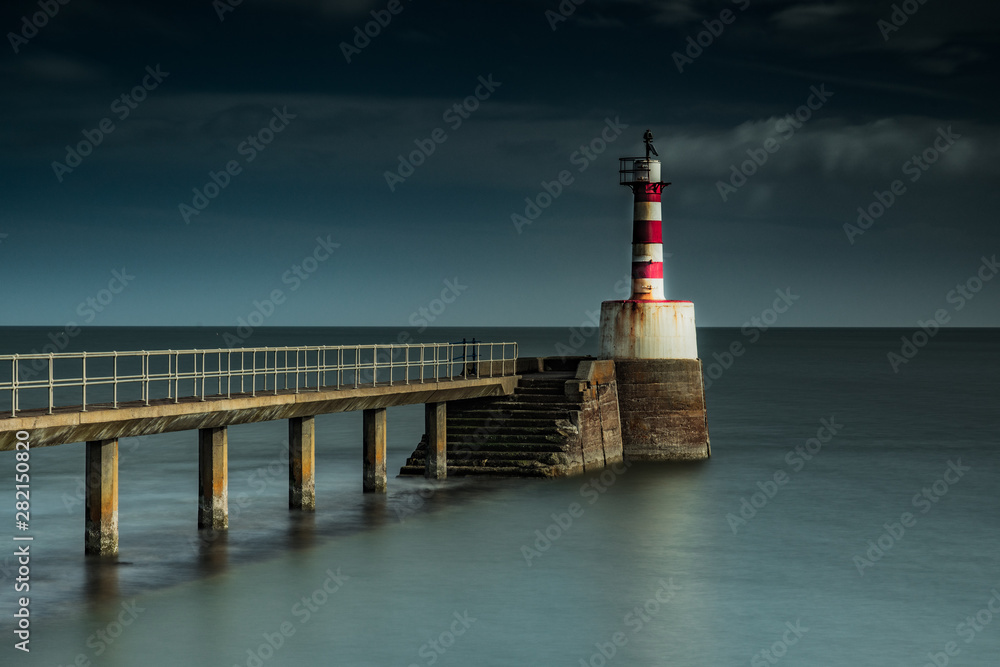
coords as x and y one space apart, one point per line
97 398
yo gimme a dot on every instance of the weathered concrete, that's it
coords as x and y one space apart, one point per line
130 420
374 450
597 420
302 463
213 479
435 415
648 330
101 501
662 407
561 420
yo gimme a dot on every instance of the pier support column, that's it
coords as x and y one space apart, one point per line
213 478
374 450
435 415
302 463
101 498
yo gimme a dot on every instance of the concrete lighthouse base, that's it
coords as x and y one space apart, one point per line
661 394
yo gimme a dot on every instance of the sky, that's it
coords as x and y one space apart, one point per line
379 163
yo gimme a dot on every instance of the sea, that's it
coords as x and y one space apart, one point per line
849 515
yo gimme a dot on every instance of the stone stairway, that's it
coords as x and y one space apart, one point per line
535 432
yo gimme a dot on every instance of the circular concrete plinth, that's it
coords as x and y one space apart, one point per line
648 330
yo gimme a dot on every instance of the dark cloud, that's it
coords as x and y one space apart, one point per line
326 172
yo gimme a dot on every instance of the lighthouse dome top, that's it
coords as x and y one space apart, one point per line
641 170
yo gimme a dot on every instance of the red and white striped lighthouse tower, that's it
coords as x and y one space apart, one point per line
643 176
652 339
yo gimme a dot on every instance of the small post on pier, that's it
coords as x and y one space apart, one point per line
302 463
374 450
435 415
101 498
213 478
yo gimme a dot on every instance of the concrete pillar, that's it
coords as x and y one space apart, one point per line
302 463
213 478
101 498
435 415
374 450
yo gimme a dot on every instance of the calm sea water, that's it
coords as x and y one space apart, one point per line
878 548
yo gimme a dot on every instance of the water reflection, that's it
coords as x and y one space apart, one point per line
213 551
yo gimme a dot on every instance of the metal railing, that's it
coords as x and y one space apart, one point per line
76 380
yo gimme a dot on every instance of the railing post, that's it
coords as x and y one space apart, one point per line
145 376
52 383
13 386
83 401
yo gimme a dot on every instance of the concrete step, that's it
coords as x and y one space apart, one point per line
534 400
462 432
536 445
463 458
546 378
532 412
500 423
480 440
492 471
543 390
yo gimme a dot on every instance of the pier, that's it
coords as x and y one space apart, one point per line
99 398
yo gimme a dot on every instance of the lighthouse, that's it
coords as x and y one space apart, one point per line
652 339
